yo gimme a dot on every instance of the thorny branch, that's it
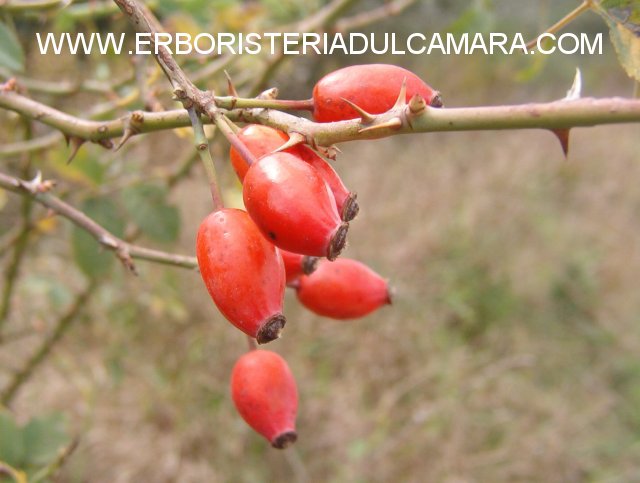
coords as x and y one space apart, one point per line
551 115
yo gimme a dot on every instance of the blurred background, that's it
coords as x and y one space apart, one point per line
511 352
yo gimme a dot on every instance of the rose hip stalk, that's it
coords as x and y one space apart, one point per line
263 140
265 394
344 289
293 207
243 273
372 87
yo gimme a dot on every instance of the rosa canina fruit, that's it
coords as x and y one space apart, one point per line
293 206
296 265
243 273
344 289
372 87
262 140
265 394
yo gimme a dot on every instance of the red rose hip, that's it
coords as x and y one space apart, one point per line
243 273
265 394
262 140
296 265
293 206
344 289
372 87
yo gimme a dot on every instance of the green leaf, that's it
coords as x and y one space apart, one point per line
43 438
623 19
11 54
12 447
92 259
148 207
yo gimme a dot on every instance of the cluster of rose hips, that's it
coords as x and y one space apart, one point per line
295 225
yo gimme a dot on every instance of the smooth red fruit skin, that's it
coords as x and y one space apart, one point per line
293 207
262 140
344 289
296 265
372 87
243 273
265 394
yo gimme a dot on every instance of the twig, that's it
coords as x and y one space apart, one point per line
52 468
123 250
372 16
204 153
567 19
60 328
323 19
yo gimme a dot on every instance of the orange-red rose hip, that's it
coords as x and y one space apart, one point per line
293 206
344 289
262 140
265 394
243 273
372 87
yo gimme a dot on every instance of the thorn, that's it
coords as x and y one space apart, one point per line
417 105
268 94
576 88
232 89
365 117
393 123
563 137
402 96
436 100
125 258
76 143
295 138
128 132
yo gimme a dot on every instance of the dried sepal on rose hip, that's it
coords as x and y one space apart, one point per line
293 207
243 273
374 88
262 140
343 289
265 394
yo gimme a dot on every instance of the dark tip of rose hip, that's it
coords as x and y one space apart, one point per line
338 241
437 100
391 294
284 440
350 208
271 329
309 264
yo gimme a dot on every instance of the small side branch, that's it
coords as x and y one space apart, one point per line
126 252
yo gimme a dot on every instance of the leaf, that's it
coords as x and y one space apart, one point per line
92 259
11 54
43 438
623 19
12 448
148 207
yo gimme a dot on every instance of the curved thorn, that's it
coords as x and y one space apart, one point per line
127 135
365 117
402 96
230 86
76 143
393 123
295 138
563 137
